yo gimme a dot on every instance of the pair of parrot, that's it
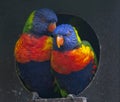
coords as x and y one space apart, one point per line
53 61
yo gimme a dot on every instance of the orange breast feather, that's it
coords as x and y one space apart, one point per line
71 61
30 48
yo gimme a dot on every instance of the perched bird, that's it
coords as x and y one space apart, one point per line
73 61
32 53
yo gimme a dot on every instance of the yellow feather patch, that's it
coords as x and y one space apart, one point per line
48 44
71 61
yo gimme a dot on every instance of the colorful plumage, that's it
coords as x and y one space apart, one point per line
32 53
73 61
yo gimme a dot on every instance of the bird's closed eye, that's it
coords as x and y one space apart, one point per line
42 18
69 33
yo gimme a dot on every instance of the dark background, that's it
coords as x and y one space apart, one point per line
103 16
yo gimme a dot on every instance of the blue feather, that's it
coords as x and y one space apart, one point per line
75 82
42 18
67 31
37 77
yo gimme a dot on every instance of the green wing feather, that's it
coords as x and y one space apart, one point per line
78 37
29 23
57 88
62 92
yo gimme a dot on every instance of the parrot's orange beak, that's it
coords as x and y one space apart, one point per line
51 27
59 41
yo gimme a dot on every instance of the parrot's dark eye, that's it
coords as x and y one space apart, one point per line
43 20
69 33
54 35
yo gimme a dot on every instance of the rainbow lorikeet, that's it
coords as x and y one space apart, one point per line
73 61
32 53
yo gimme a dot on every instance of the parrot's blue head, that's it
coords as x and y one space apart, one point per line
44 22
65 38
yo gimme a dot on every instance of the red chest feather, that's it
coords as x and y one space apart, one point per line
29 48
71 61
